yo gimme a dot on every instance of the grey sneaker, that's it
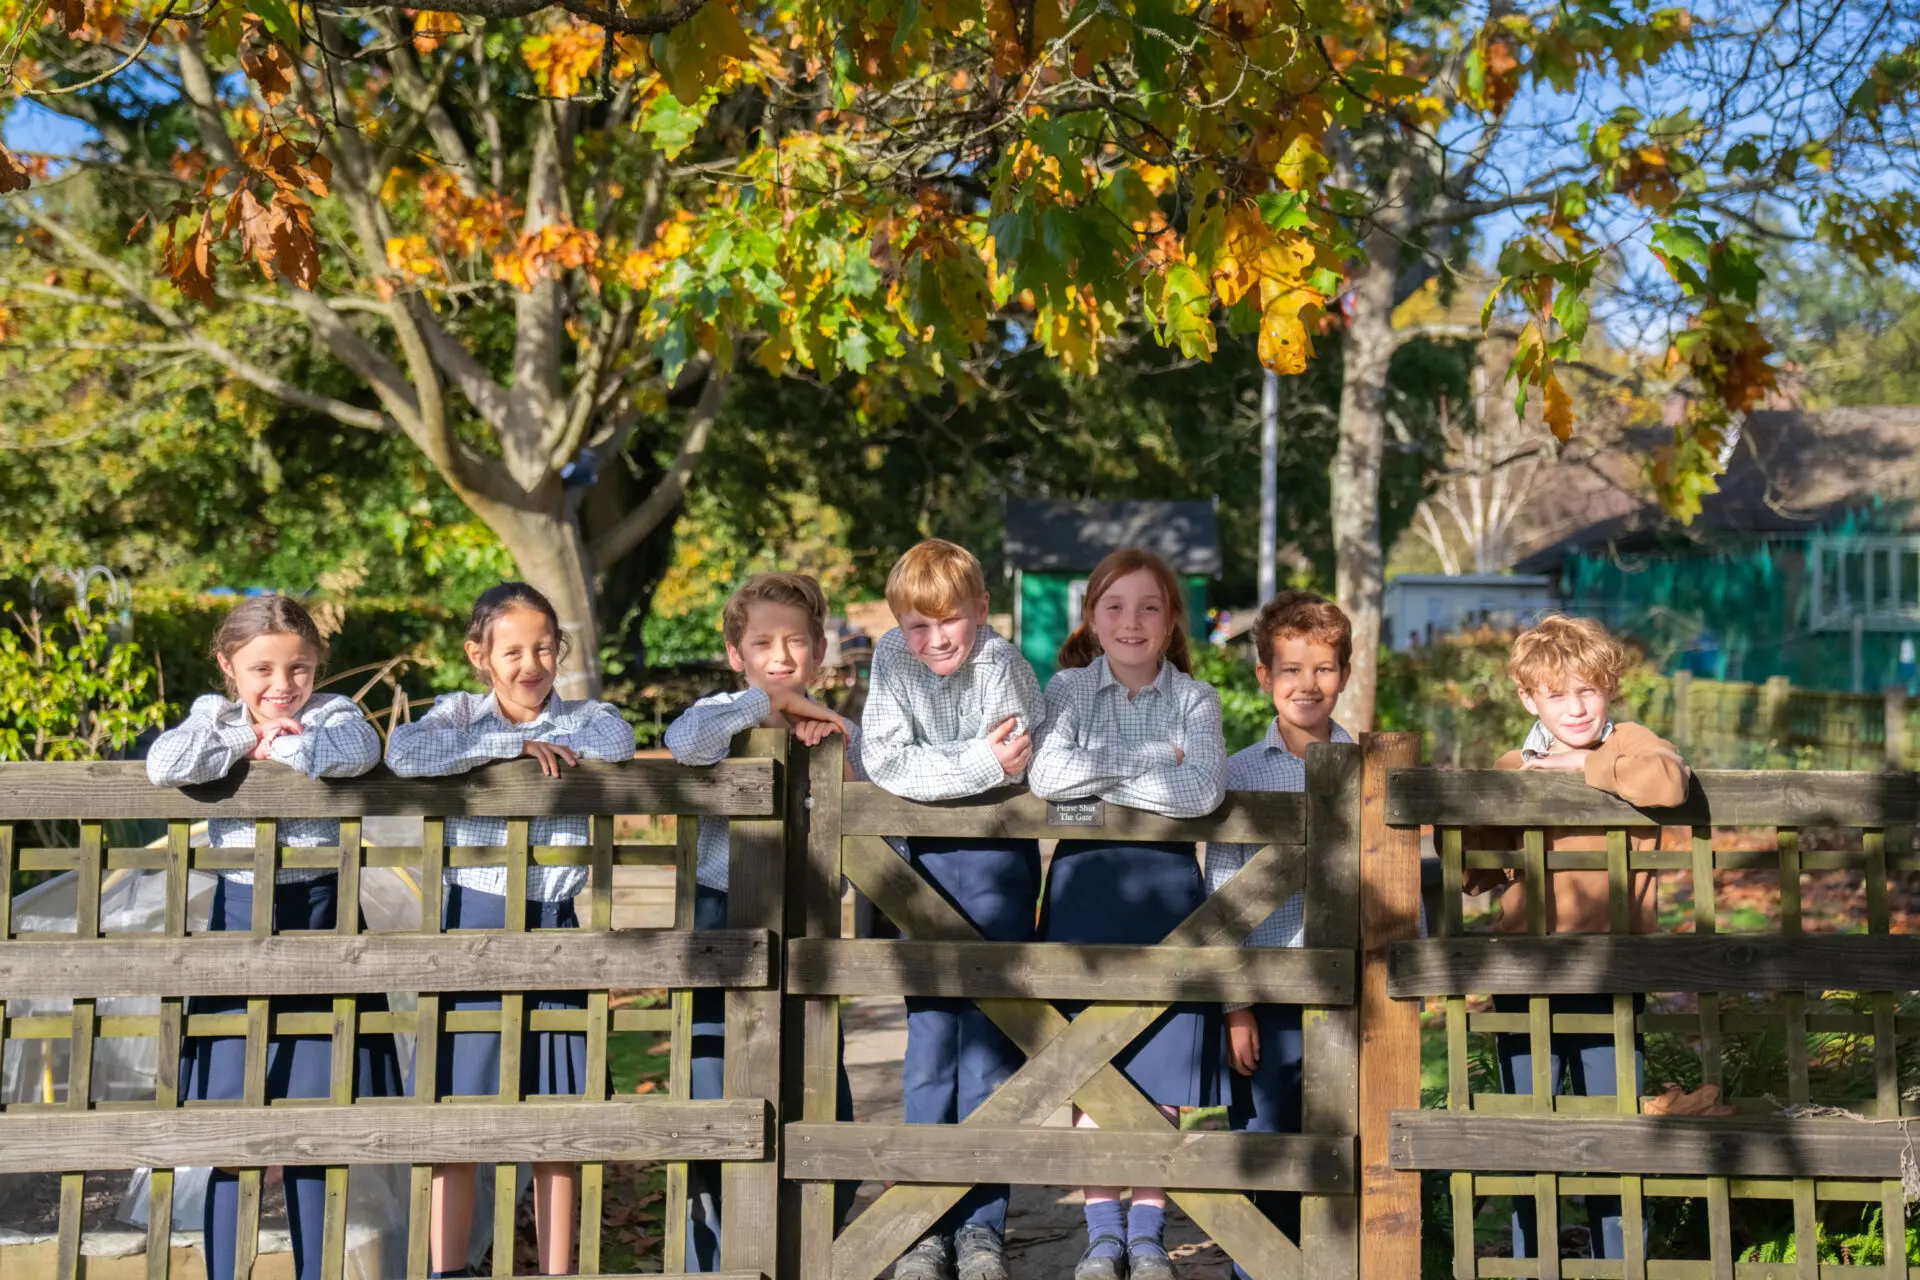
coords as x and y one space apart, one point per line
980 1254
931 1259
1107 1267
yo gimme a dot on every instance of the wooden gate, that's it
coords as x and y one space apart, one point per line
1311 844
1819 996
82 966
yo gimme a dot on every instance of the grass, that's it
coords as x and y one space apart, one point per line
633 1213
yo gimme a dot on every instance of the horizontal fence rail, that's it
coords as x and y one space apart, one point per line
1524 798
1795 1036
509 789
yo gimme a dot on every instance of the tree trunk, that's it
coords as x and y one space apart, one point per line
1367 352
552 559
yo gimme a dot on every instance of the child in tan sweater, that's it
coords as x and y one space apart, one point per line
1567 671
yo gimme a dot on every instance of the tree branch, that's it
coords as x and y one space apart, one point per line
196 81
355 352
172 321
423 99
651 25
539 325
613 545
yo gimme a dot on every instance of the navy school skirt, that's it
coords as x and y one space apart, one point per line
551 1062
1134 894
214 1067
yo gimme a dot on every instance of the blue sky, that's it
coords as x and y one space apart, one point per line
31 127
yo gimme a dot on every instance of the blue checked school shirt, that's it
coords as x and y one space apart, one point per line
702 735
1101 741
335 741
1265 766
465 730
925 735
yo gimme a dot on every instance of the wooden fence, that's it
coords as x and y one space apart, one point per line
1348 843
80 1134
1311 846
1713 994
798 828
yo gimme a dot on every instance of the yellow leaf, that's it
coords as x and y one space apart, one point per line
1559 410
1284 344
1302 164
411 255
774 352
564 60
695 54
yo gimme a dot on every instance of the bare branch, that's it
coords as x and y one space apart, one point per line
651 25
196 82
188 334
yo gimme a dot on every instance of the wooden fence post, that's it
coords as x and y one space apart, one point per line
750 1234
1330 1088
1389 1029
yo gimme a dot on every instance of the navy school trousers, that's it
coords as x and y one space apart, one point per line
1268 1101
956 1057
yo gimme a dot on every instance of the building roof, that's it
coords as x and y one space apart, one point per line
1072 537
1791 471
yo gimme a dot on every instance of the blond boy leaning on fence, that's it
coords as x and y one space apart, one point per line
1567 671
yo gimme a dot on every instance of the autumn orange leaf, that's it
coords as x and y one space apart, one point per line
189 264
72 13
266 64
1502 78
255 224
563 60
1559 410
431 27
13 174
295 250
546 254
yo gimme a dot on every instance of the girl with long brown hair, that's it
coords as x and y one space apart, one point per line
1127 723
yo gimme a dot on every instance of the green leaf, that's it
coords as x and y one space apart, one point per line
673 124
1743 155
1284 210
279 21
1571 313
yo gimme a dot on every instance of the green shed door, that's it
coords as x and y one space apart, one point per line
1046 612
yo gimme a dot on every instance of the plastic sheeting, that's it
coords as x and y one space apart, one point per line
123 1067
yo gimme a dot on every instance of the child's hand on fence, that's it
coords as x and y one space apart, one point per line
1243 1041
1179 754
267 731
552 756
812 723
1013 754
1572 760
